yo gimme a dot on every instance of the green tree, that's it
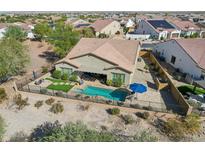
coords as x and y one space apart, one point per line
42 30
87 32
13 57
15 32
63 37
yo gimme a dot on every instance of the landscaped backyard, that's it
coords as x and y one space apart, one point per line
189 88
61 85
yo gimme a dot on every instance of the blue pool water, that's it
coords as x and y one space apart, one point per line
118 94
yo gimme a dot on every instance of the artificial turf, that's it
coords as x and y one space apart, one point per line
189 88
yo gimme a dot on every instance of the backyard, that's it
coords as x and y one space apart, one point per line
189 88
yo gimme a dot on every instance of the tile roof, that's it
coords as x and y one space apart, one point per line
185 25
121 53
98 25
195 48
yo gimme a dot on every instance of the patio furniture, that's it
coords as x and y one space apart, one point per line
138 88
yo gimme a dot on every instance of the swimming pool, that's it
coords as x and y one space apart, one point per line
117 95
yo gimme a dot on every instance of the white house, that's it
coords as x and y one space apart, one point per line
187 55
2 29
106 26
187 27
158 29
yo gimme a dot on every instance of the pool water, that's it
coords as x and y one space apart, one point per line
117 95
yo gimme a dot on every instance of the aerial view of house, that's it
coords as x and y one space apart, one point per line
102 77
106 26
158 28
187 55
114 58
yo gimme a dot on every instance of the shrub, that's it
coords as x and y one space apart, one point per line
64 77
84 107
19 137
50 101
128 119
57 108
20 102
3 94
56 74
73 78
144 115
43 91
146 67
177 129
114 111
145 136
2 128
44 69
117 82
109 82
38 104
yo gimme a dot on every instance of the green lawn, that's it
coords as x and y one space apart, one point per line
64 88
189 88
55 80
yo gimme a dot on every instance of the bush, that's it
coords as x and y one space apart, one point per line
20 102
56 74
64 77
50 101
43 91
38 104
145 136
177 130
44 69
128 119
109 82
3 95
117 82
84 107
146 67
114 111
57 108
144 115
73 78
2 128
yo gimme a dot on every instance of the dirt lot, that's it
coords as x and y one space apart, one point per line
39 53
95 117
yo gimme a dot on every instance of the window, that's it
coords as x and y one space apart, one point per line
173 59
116 76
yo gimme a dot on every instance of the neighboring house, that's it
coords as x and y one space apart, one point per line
187 55
106 26
3 27
27 28
109 57
158 29
77 23
187 27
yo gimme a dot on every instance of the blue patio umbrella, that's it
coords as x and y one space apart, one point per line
138 88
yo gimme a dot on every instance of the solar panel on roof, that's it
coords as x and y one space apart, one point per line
160 24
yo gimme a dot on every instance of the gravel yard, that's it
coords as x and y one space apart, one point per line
95 117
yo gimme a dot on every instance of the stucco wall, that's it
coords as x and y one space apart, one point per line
183 61
111 29
95 65
145 28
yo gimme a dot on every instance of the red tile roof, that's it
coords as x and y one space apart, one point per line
195 48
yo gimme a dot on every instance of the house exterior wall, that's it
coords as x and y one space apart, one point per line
110 29
145 28
93 64
183 61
